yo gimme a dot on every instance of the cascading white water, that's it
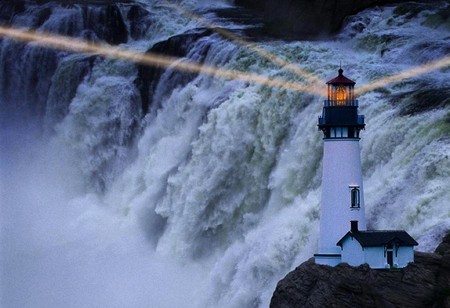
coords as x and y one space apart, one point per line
213 196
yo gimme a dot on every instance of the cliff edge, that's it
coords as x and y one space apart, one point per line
425 283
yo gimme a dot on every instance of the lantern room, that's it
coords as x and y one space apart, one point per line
341 91
340 118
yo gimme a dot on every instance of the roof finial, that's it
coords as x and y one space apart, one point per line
340 68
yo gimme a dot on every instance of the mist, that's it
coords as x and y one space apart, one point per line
61 246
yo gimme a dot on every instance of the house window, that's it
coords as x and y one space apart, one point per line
355 197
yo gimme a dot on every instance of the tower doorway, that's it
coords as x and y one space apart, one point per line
390 255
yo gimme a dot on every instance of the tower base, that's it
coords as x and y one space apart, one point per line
328 259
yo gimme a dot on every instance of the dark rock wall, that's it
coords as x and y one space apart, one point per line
425 283
308 19
254 4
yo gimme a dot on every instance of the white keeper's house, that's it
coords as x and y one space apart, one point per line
343 233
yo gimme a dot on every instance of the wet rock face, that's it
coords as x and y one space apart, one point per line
176 46
423 100
107 23
93 20
101 21
9 9
254 4
140 20
444 248
305 19
426 283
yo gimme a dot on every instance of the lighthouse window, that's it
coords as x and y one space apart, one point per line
345 132
338 132
355 197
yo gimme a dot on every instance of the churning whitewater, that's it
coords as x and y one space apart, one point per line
132 186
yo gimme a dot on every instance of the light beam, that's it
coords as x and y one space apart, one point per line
71 44
419 70
60 42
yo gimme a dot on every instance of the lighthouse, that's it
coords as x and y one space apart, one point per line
343 234
342 183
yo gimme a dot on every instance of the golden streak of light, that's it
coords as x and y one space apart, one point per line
75 45
149 59
419 70
310 78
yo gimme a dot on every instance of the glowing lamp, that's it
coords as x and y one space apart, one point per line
341 94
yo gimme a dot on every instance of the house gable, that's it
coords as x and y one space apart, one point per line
352 252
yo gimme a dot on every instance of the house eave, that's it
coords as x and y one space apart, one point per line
394 239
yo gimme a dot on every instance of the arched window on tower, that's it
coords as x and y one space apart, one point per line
355 197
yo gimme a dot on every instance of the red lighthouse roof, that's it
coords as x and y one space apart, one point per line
341 79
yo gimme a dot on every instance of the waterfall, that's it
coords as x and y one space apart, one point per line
126 185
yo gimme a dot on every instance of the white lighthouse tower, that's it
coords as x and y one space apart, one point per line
342 184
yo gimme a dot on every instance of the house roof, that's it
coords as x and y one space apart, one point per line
341 79
379 238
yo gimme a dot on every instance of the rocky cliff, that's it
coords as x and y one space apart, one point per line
299 19
426 283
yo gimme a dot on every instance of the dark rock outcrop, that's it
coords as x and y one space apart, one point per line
140 21
92 20
9 9
101 21
305 19
107 23
422 100
176 46
425 283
